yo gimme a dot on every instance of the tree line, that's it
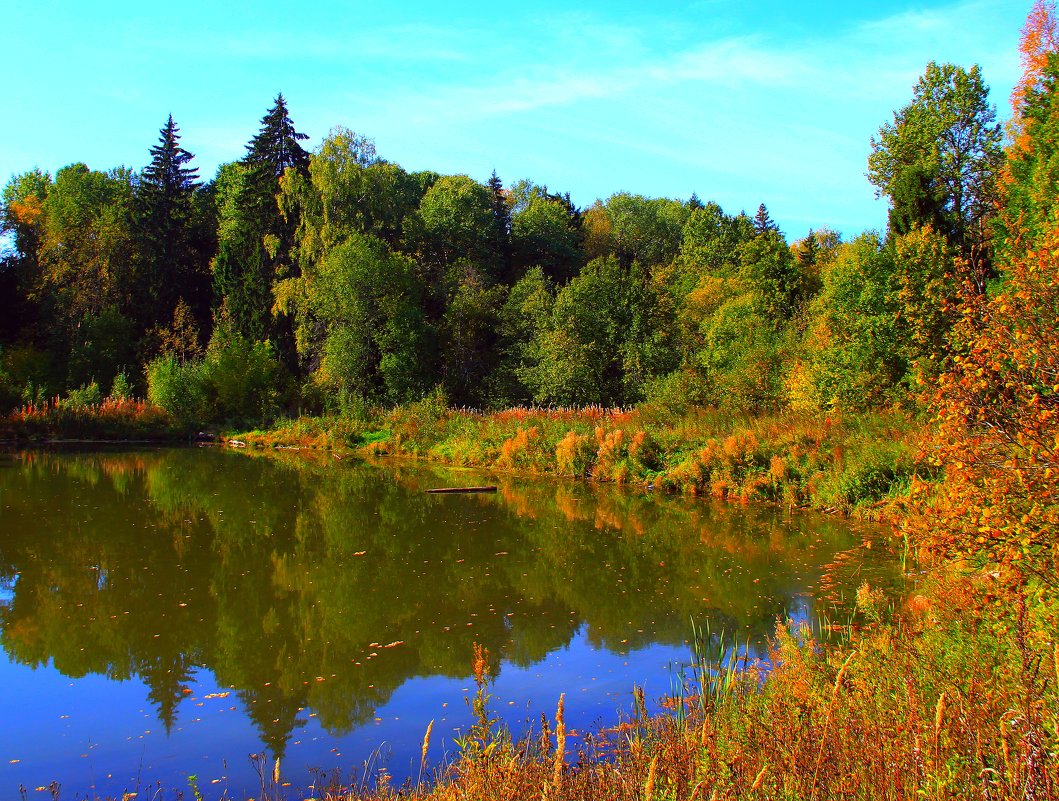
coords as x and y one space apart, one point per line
327 280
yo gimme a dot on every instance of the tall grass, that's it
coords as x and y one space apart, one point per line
76 418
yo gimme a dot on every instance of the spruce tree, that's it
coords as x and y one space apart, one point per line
256 251
763 222
809 251
172 266
275 147
502 215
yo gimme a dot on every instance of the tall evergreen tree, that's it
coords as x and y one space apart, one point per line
809 251
256 249
171 265
275 147
502 215
763 222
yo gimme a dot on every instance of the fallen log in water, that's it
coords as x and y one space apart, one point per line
446 490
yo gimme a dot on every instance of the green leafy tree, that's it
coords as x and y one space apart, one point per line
937 162
544 234
22 225
85 267
644 229
360 325
590 351
459 224
851 356
523 319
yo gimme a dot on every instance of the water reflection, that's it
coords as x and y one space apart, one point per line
307 584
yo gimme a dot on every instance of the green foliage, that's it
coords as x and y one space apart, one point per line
177 388
589 352
643 229
740 356
85 396
242 381
121 389
543 234
172 249
360 325
851 356
458 223
937 162
236 382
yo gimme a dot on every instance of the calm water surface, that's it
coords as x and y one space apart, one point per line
167 613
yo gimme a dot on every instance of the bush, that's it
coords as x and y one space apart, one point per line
177 388
241 380
83 397
121 389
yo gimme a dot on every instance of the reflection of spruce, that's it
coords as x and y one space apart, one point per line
166 677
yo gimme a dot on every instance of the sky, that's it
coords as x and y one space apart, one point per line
740 103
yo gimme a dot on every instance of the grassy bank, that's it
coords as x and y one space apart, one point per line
851 463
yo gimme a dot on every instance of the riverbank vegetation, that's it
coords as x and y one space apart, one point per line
336 299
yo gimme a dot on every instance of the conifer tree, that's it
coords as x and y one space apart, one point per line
502 215
172 264
763 222
256 250
809 251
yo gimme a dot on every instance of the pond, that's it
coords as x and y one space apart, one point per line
168 613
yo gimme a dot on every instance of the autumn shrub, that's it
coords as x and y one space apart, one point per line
573 455
517 452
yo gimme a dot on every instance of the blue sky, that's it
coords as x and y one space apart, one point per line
740 102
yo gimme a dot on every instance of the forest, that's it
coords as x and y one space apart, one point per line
295 282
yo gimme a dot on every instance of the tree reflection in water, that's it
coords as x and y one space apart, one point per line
306 584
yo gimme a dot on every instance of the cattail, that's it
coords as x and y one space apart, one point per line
760 777
560 744
649 788
426 745
939 713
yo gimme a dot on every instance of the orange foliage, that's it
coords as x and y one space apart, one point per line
1040 38
26 211
998 415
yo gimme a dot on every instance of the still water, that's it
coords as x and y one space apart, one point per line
167 613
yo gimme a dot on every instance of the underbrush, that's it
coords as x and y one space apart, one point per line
83 415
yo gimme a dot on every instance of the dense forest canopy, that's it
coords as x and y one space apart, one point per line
295 281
